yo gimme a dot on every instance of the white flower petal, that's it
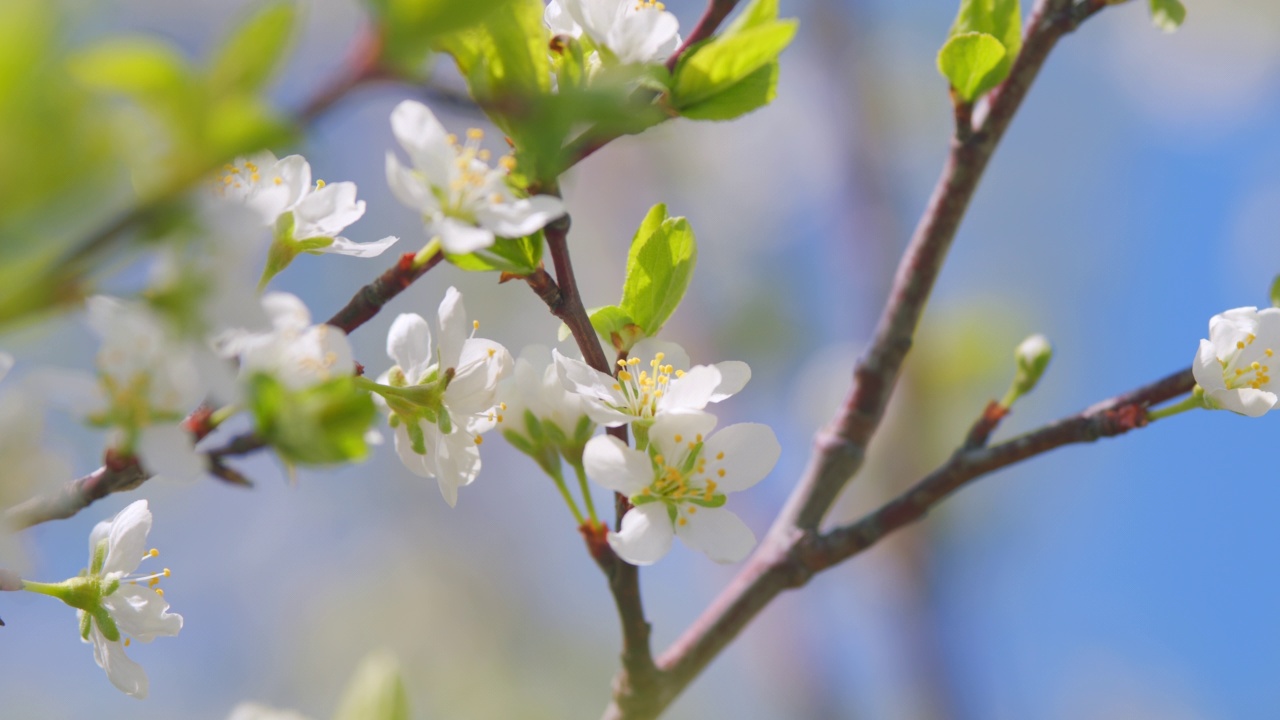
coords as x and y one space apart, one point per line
750 450
126 536
416 464
475 385
615 466
734 375
459 238
579 377
672 432
409 188
287 311
167 451
692 391
327 211
645 535
521 217
142 613
409 344
454 328
672 353
424 138
1207 370
457 463
127 675
255 711
718 533
343 246
1246 401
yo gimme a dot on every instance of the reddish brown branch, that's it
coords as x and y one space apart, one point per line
368 300
75 496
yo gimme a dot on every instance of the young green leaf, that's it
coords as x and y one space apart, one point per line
659 267
253 51
1002 20
375 692
138 67
1167 14
1275 292
751 93
720 64
410 28
759 12
968 61
322 424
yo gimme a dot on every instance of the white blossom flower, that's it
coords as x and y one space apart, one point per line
1234 365
26 461
442 399
678 487
534 387
295 352
283 196
462 200
121 609
632 31
640 395
146 384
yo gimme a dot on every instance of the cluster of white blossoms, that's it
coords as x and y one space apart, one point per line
441 398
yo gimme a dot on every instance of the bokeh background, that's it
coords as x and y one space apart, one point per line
1135 196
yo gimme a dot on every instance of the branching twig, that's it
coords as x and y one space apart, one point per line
785 557
369 299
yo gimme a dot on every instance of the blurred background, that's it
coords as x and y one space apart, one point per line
1135 195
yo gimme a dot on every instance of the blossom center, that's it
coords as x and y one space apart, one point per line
683 481
641 389
1246 367
242 179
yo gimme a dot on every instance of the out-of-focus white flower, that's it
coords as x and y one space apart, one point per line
1234 365
27 463
295 352
254 711
653 381
462 200
535 388
442 399
630 31
678 487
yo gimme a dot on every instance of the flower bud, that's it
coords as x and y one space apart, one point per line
1032 357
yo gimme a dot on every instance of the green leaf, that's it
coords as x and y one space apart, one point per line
411 27
1002 20
375 692
969 62
322 424
751 93
1275 292
1167 14
139 67
725 61
253 50
616 325
659 266
518 256
506 54
757 13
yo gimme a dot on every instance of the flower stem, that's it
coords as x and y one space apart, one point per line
586 491
57 590
1192 401
428 251
558 477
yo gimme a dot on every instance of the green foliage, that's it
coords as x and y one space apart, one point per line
322 424
1167 14
411 28
659 267
735 72
517 256
1275 292
968 62
253 51
375 692
981 46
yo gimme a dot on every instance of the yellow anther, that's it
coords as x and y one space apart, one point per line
479 440
693 509
679 438
250 167
160 592
624 376
646 491
475 134
507 162
692 444
226 179
492 352
255 177
684 521
153 582
657 394
633 361
499 417
720 455
153 553
451 139
1239 371
679 373
698 437
616 386
496 199
1268 352
622 363
128 642
720 472
659 356
502 406
1255 364
319 184
1239 344
484 155
278 180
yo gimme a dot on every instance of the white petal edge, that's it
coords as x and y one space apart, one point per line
718 533
615 466
645 535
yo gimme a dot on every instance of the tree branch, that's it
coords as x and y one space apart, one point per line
368 300
786 556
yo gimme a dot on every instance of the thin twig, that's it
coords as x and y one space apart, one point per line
369 299
711 18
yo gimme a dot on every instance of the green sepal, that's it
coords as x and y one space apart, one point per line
322 424
660 265
672 512
251 54
639 500
1167 14
517 256
717 499
106 624
410 28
